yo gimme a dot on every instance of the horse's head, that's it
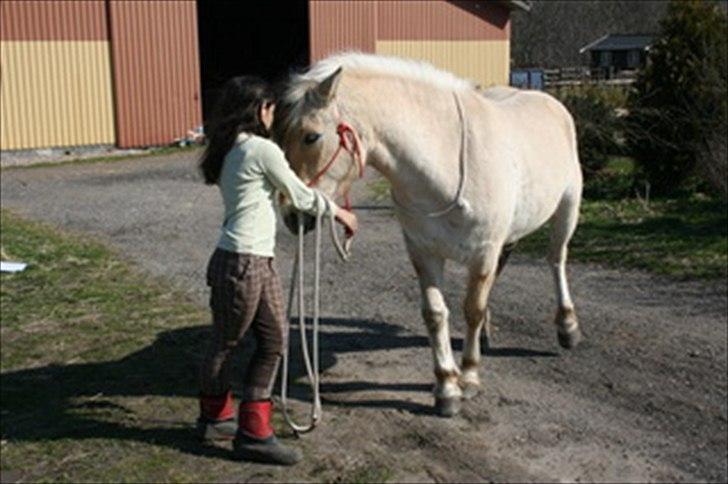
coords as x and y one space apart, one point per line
322 148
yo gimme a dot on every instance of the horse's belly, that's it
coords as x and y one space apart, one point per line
451 237
529 219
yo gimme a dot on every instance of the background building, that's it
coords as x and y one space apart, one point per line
619 52
134 74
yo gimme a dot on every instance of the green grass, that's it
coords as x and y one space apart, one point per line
684 237
366 474
98 369
167 150
75 283
379 189
98 374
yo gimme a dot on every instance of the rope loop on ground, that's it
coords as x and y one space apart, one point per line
310 359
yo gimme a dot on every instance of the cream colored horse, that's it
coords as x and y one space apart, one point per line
471 172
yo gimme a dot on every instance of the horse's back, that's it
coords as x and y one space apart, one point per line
498 93
532 118
514 100
534 133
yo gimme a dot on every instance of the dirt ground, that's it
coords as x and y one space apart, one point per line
642 399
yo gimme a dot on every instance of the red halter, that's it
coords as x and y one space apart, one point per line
348 141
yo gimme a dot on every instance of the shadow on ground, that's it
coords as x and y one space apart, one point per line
80 401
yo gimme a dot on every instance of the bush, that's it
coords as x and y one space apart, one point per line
615 181
713 160
598 123
678 107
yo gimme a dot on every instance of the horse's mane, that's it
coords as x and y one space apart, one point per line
290 101
384 65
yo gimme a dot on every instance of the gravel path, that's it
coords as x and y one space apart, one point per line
643 399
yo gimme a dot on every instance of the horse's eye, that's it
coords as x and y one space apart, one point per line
311 138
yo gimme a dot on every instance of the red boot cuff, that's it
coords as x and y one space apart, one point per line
217 407
254 418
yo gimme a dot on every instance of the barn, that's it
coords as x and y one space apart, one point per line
137 74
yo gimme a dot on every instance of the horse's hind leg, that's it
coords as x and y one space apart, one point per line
487 337
482 277
563 225
429 270
503 257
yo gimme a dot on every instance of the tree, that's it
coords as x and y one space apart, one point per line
678 107
552 32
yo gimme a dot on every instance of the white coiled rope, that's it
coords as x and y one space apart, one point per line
311 360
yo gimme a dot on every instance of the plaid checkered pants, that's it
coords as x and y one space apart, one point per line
245 292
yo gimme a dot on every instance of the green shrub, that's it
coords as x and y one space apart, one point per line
614 181
596 111
678 106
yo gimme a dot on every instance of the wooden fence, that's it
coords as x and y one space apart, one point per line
565 76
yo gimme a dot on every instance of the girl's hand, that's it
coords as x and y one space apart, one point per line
348 220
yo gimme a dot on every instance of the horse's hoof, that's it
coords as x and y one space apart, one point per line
569 339
470 390
447 407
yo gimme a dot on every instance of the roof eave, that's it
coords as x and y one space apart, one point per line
592 44
524 5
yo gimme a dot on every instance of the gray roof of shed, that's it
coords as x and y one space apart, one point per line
619 42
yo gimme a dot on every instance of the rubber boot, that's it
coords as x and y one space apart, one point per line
217 418
256 441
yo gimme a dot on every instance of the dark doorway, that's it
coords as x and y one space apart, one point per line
261 37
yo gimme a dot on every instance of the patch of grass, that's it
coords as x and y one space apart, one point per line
77 301
613 182
98 369
684 237
379 189
367 474
166 150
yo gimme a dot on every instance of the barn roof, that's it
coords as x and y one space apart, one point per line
619 42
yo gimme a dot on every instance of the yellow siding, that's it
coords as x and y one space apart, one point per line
55 93
484 61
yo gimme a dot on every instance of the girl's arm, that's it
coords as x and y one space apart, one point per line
279 173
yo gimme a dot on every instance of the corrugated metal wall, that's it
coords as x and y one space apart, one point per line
442 20
471 39
56 65
156 70
341 25
485 62
55 74
60 63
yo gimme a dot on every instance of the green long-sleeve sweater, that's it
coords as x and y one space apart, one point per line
252 173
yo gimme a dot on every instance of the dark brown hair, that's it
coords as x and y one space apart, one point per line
236 111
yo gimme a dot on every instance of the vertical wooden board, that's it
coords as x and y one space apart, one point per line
156 71
340 25
54 62
55 94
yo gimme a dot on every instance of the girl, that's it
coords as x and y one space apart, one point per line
245 287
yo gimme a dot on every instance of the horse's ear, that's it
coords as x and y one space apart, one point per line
326 89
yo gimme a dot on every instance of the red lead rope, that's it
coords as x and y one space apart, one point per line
348 141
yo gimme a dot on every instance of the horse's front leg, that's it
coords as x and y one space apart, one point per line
429 269
482 276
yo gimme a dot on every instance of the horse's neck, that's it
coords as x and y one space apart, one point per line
416 149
